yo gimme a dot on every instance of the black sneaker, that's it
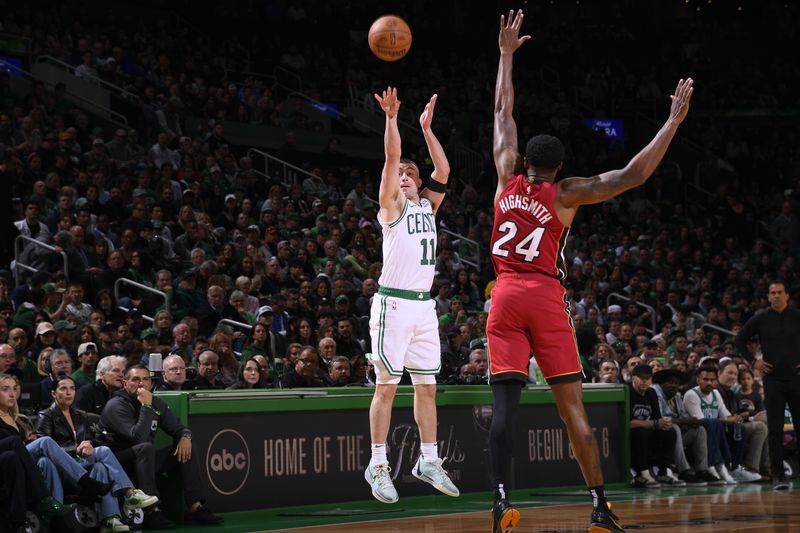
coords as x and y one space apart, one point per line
604 521
505 516
202 516
780 483
156 519
49 507
93 490
690 478
709 478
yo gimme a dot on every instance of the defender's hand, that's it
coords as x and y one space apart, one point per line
509 39
681 99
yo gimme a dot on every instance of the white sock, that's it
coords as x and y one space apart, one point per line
430 451
378 454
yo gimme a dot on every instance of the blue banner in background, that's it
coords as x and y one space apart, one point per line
610 127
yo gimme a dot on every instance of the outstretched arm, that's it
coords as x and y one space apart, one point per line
441 168
574 192
389 193
505 129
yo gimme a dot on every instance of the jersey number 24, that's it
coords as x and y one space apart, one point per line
528 247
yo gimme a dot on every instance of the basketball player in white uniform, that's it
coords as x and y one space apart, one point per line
403 321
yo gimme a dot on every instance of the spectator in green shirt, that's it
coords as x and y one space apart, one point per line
87 358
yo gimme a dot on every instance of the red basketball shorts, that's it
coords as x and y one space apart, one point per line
530 314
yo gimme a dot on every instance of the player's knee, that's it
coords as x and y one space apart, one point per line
385 392
574 417
424 383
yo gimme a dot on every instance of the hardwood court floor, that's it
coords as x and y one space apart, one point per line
742 508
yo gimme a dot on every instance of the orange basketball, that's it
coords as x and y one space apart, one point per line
389 38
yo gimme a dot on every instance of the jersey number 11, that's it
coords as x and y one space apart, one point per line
427 248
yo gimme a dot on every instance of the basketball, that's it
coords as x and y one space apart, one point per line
389 38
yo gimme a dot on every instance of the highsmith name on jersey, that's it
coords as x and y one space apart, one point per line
528 237
409 248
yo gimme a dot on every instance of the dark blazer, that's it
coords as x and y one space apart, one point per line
53 423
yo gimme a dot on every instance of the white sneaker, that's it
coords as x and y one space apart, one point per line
743 475
137 499
670 479
724 475
380 480
113 525
645 480
433 473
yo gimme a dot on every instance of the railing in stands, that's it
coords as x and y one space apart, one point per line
17 251
622 297
338 114
281 73
287 173
698 317
116 89
457 240
712 327
235 324
692 191
151 290
261 80
114 117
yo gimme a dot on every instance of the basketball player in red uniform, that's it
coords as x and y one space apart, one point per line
529 311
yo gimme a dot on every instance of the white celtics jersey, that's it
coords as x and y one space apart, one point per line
409 249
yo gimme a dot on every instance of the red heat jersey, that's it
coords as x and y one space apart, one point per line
527 237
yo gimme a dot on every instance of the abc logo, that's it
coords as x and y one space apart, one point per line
228 462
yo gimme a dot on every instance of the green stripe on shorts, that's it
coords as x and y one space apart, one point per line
381 330
423 371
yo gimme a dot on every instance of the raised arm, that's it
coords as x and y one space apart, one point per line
505 143
441 168
574 192
389 195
